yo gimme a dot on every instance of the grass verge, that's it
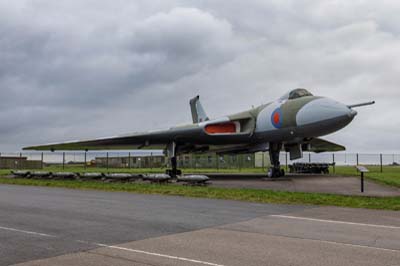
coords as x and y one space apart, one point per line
251 195
389 176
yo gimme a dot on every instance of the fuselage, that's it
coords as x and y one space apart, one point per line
292 120
289 119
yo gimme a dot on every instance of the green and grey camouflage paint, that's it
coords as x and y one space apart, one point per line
297 118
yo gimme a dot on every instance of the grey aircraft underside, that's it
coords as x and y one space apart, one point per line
292 123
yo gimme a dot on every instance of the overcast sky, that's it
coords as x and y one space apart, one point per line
92 68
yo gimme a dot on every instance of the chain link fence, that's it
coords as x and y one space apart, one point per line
156 159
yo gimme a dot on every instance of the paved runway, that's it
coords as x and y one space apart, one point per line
51 226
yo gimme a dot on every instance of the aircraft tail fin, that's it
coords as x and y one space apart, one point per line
198 113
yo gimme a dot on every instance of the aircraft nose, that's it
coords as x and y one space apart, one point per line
324 109
352 113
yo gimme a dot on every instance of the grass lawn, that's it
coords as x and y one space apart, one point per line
252 195
390 176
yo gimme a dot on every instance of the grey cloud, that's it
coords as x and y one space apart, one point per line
106 62
80 69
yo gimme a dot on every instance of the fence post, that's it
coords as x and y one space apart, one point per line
333 163
41 160
107 161
286 162
381 159
63 161
129 160
151 161
263 161
357 159
85 162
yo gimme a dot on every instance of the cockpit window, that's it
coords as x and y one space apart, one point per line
297 93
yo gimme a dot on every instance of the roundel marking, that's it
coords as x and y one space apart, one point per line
276 118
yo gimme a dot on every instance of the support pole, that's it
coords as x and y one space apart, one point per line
309 157
129 160
357 159
20 160
41 160
333 163
381 159
362 182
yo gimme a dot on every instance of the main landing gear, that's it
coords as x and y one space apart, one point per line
275 169
171 152
174 172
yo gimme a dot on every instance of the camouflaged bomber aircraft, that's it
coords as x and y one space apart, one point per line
292 123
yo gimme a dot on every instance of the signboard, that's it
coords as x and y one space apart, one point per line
362 169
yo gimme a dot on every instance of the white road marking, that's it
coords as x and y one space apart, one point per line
25 232
349 245
335 222
359 246
159 255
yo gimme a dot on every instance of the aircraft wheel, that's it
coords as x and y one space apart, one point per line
274 173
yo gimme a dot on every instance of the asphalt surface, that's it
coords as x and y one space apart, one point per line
51 226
